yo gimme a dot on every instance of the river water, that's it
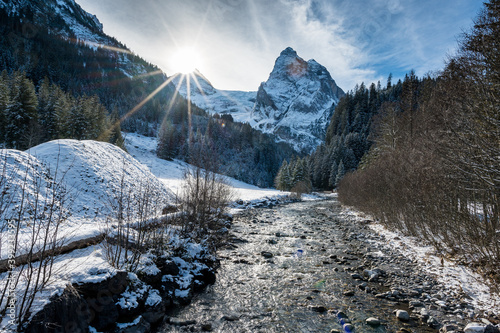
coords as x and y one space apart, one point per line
288 270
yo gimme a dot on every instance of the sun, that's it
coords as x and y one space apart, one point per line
186 60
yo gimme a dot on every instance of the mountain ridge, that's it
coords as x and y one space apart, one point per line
297 101
295 104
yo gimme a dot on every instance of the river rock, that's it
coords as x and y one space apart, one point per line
474 328
230 317
492 329
341 315
372 275
266 254
319 309
433 322
168 267
60 312
348 327
348 293
206 327
402 315
448 328
373 321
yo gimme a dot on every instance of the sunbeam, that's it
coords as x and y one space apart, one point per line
137 107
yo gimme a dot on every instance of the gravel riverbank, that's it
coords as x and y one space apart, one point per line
308 267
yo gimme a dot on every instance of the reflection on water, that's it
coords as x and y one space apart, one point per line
284 279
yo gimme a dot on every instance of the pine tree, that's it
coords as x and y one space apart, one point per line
299 171
46 110
167 147
62 107
340 173
333 174
21 130
284 179
115 136
4 102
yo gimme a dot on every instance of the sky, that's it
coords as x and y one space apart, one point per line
235 43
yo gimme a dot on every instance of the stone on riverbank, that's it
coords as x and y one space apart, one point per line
402 315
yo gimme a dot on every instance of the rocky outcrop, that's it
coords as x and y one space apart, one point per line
124 302
68 312
297 101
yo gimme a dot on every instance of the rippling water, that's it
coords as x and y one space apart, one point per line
299 289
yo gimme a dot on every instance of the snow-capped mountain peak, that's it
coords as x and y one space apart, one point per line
297 101
63 17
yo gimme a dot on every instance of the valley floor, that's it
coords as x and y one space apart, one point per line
316 266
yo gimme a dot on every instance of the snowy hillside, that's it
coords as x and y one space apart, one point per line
67 20
297 101
238 104
83 179
171 172
98 171
82 25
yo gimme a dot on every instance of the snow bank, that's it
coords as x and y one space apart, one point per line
98 171
93 175
455 277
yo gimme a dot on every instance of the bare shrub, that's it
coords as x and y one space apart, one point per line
300 188
33 207
205 196
132 228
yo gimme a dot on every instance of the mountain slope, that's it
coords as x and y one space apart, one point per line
238 104
295 104
58 40
297 101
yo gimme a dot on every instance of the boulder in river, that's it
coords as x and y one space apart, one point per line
402 315
474 328
266 254
373 321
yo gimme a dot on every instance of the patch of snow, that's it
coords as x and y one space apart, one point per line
455 277
79 266
125 325
154 298
181 293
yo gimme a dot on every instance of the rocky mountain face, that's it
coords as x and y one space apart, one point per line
63 17
297 101
60 41
295 104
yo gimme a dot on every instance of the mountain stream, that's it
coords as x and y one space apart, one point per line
302 267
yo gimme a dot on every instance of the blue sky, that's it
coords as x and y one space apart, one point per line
237 41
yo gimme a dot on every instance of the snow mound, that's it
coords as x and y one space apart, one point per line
25 182
98 174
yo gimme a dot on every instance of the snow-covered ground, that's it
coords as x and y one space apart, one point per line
453 276
171 172
84 178
93 173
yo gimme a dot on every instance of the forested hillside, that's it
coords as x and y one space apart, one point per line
119 78
242 152
433 169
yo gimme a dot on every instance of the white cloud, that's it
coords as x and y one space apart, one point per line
240 39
